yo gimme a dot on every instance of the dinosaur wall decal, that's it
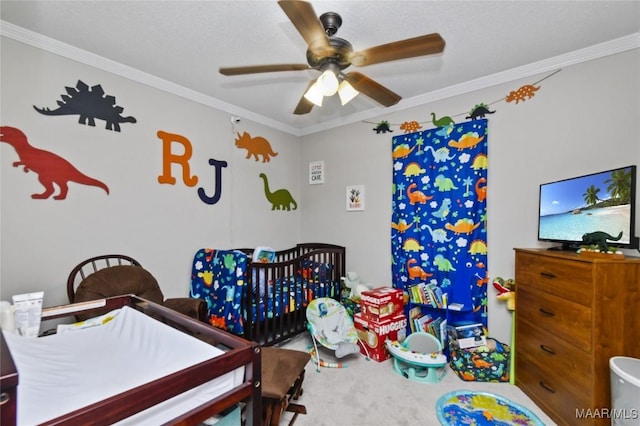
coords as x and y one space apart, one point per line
442 121
410 126
280 199
382 127
89 104
50 168
527 91
479 111
255 146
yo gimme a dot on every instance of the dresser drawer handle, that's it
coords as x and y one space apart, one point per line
547 387
547 275
4 398
546 313
547 349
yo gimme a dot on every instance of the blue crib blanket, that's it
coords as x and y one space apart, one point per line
219 277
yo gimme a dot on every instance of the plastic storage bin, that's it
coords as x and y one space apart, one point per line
625 391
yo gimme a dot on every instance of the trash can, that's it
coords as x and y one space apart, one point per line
625 391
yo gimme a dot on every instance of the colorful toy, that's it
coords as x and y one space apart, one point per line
599 239
322 363
482 408
331 326
419 357
506 291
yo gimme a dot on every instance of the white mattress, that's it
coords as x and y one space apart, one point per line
64 372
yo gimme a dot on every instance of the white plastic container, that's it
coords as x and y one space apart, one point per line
7 322
625 391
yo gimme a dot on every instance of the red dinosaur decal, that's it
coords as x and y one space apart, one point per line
50 168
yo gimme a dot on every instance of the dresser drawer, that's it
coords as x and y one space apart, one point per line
560 317
554 353
571 280
553 392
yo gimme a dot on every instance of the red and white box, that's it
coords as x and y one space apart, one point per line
373 334
381 303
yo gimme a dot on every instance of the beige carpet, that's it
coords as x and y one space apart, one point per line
371 393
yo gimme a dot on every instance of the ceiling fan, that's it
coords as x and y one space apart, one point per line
331 55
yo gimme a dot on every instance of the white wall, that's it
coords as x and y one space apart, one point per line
160 225
583 119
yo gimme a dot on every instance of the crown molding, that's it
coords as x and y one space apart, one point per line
597 51
66 50
31 38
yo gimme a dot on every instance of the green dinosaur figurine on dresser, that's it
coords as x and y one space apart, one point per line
599 238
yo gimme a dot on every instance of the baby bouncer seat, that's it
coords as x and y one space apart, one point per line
329 323
419 357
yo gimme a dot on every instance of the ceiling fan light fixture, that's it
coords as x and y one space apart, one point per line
346 92
314 94
328 82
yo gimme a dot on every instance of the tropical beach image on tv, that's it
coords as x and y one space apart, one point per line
597 202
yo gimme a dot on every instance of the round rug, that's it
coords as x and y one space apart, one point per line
482 408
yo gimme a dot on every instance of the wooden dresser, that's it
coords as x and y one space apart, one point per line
572 315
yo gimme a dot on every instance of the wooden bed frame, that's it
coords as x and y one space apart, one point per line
288 264
238 353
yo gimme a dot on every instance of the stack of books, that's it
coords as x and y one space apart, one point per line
421 321
428 294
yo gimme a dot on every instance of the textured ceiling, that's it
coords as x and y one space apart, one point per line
185 42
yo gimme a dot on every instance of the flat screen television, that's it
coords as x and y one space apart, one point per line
604 201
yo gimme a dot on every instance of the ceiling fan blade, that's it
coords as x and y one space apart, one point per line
304 106
372 89
403 49
254 69
303 17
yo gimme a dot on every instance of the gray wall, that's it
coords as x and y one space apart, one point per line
160 225
583 119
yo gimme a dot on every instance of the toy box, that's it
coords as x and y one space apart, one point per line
381 303
373 334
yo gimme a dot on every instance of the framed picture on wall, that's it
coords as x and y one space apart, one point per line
316 172
355 198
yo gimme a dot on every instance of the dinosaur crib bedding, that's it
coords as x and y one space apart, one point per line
264 296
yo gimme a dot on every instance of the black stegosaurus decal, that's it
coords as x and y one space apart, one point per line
89 104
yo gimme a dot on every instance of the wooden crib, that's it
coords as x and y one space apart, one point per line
266 302
277 294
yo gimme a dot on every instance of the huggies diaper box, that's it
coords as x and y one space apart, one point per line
381 303
373 334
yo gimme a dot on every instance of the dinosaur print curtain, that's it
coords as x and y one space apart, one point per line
438 226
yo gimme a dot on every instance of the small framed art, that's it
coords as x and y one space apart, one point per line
355 198
316 172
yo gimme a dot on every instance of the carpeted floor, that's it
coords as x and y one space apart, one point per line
371 393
